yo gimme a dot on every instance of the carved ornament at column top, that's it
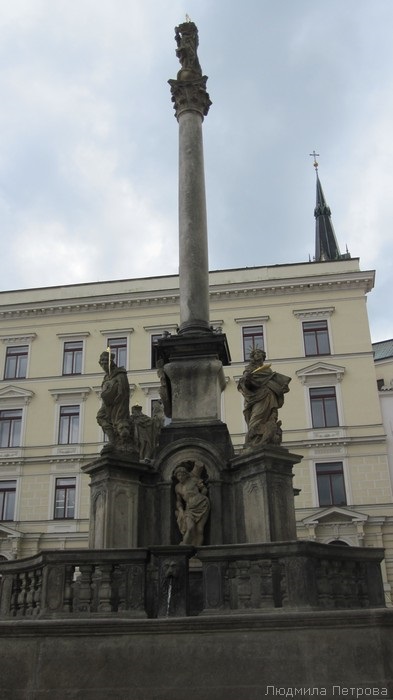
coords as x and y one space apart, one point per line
190 96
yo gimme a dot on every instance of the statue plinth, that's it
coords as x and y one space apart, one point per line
117 500
264 495
193 365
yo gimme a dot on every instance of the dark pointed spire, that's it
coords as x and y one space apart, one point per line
326 246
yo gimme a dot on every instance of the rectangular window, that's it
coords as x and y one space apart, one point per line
252 338
324 407
330 482
69 425
16 362
316 338
72 357
118 347
7 500
154 339
10 428
65 499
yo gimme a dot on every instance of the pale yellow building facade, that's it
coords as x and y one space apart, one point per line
311 319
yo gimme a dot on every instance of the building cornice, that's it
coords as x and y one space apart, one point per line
227 291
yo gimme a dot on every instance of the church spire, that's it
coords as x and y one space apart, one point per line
326 246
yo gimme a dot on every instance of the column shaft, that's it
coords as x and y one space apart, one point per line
193 249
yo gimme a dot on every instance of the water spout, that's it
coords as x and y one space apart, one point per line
169 595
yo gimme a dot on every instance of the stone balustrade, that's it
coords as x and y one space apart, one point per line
159 582
75 582
297 575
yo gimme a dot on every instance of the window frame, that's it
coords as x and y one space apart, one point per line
11 352
68 489
76 354
246 353
112 342
323 398
154 337
65 411
10 439
4 501
334 471
317 334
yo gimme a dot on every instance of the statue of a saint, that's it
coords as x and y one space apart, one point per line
114 413
143 431
263 392
165 388
186 36
192 502
158 421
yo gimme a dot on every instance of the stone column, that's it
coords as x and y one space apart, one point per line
193 359
191 104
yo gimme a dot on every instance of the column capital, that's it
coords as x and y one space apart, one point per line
190 96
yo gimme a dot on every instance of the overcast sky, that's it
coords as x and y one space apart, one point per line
88 137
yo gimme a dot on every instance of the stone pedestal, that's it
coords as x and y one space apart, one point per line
264 495
193 365
115 501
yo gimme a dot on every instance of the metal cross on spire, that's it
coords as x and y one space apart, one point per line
314 155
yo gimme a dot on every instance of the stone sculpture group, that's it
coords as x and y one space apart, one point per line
137 434
133 433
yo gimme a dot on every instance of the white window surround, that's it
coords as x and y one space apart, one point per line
97 390
150 389
330 529
253 321
321 314
80 335
3 525
19 339
72 338
52 491
156 329
314 484
67 399
313 314
119 333
323 374
14 397
71 395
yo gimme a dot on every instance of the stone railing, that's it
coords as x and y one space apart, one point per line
298 575
161 582
75 582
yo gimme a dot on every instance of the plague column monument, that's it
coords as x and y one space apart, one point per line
182 528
